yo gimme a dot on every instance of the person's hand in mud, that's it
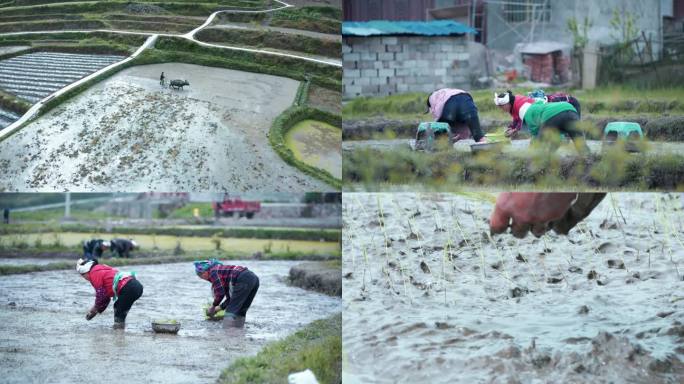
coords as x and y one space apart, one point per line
90 315
540 212
211 311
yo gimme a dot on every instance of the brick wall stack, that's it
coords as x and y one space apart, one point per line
540 67
561 65
386 65
543 67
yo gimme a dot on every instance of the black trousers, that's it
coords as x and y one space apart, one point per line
129 294
563 122
461 109
243 292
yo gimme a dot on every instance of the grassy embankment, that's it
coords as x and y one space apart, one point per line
179 16
320 19
317 347
659 111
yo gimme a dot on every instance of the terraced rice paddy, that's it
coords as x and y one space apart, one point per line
7 118
36 75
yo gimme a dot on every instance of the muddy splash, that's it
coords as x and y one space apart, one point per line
317 144
45 336
430 297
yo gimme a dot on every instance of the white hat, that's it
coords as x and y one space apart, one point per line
83 266
106 244
502 99
523 110
135 245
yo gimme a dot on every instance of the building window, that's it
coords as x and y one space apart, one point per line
527 11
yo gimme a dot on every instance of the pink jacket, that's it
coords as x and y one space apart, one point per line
439 97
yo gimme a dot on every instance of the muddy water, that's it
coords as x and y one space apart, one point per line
7 118
45 337
148 242
129 133
30 260
317 144
429 298
36 75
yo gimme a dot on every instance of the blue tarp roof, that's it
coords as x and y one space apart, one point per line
423 28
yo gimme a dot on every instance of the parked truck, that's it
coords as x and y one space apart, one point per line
235 206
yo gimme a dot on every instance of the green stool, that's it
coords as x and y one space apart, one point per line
427 131
622 129
630 132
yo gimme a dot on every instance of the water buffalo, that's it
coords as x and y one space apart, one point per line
178 84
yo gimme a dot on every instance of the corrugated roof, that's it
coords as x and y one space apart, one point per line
422 28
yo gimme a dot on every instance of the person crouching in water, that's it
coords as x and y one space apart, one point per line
456 106
123 247
237 284
109 283
94 248
549 120
511 104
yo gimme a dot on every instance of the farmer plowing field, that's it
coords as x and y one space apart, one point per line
110 284
237 284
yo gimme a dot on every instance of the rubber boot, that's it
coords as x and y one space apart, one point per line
119 324
231 320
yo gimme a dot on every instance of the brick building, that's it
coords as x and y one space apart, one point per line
383 58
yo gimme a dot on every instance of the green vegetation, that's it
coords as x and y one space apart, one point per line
607 99
599 106
222 232
286 121
116 262
448 170
13 103
171 49
55 214
18 200
317 347
317 19
271 39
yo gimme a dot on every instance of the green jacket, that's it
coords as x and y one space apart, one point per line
539 113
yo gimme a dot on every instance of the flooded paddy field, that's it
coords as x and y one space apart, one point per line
32 260
429 296
7 118
45 335
317 144
128 132
187 243
36 75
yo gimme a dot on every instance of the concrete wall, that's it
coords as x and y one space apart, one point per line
381 66
600 12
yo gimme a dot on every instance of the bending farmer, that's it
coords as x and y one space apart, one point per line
94 248
109 283
454 106
511 104
559 118
123 247
237 284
